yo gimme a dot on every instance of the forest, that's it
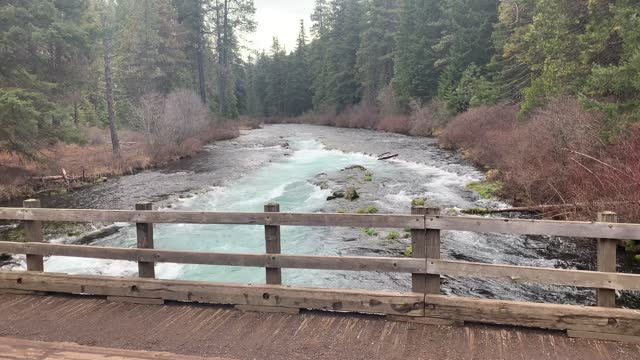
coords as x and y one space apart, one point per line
544 94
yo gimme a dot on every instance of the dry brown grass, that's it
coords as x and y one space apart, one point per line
96 159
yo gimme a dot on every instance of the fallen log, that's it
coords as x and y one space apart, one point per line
539 209
388 157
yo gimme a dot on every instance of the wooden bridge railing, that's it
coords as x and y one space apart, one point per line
423 304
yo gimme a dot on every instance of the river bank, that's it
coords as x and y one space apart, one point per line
66 168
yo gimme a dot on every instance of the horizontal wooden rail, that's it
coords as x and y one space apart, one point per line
459 223
348 263
580 278
225 218
592 279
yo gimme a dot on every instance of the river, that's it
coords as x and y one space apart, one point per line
299 166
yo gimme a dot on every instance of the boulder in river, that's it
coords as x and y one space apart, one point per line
351 194
355 167
336 195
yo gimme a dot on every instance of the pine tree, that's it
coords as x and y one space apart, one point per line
151 45
375 54
298 90
419 31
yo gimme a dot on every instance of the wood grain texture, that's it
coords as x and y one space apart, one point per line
272 246
144 233
268 309
348 263
603 336
547 316
458 223
33 233
607 249
519 274
432 285
374 302
226 218
419 248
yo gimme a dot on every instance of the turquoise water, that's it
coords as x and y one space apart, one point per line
284 181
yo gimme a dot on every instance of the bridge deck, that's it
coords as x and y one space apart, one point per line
230 334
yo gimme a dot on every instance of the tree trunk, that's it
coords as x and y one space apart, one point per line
224 65
76 119
108 81
200 48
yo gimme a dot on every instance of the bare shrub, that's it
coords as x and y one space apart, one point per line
468 130
96 136
557 156
359 116
178 125
394 123
427 118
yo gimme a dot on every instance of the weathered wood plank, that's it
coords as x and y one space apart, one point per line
348 263
535 227
374 302
272 246
593 279
144 233
268 309
459 223
433 251
603 336
607 249
229 218
33 233
135 300
419 248
425 320
547 316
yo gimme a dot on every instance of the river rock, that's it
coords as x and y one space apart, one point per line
97 234
336 195
355 167
351 194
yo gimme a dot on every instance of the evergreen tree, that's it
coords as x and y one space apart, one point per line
298 90
416 75
375 55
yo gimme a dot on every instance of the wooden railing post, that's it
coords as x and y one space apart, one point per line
33 233
607 251
272 240
426 245
145 241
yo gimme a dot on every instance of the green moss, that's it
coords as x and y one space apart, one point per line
368 210
394 235
341 211
370 232
421 202
630 246
351 194
368 176
408 252
486 189
323 185
475 211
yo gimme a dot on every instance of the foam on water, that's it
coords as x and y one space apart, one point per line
284 181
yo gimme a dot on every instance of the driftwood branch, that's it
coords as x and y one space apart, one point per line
540 209
388 157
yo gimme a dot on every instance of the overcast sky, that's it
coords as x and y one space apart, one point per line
279 18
